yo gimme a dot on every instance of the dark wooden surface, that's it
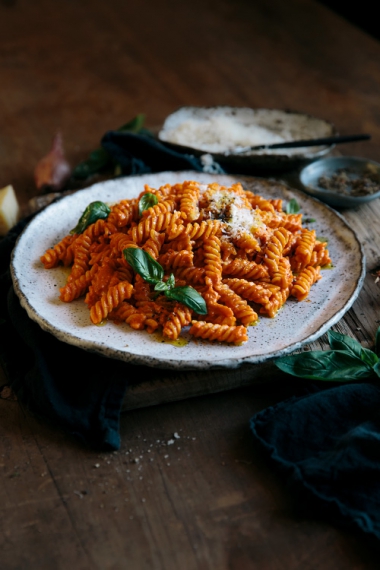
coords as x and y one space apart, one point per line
209 500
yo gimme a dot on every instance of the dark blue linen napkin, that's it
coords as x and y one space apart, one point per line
76 390
141 154
326 446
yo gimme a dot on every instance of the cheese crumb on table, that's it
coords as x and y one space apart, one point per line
9 209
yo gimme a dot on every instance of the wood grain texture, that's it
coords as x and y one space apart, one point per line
208 500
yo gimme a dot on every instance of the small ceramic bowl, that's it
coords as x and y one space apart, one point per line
342 182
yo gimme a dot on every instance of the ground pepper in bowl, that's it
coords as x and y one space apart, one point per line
347 181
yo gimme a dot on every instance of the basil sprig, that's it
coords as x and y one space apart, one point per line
94 211
147 201
152 272
99 159
346 361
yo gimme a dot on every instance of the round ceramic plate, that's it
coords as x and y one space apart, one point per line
295 324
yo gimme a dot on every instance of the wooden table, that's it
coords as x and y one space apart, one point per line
210 500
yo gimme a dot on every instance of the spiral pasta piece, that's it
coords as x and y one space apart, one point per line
212 259
189 201
109 300
177 319
242 311
306 278
274 249
62 252
221 333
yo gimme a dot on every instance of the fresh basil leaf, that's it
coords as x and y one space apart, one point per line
377 342
146 201
134 125
330 365
376 368
97 161
292 206
170 282
144 264
161 286
94 211
344 342
369 357
189 297
340 341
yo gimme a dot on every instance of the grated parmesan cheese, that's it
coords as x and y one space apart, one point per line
238 218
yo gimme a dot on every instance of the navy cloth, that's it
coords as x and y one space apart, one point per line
326 446
76 390
141 154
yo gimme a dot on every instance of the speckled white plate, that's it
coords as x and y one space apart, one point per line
296 324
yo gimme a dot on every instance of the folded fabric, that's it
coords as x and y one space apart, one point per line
326 446
74 389
140 154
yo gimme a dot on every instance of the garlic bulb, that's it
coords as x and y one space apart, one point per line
53 171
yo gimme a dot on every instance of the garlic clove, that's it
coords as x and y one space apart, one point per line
53 171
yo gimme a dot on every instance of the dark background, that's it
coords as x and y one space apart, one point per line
361 14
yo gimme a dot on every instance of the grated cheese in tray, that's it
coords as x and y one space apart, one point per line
211 134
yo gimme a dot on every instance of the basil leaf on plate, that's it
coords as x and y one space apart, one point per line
147 201
189 297
144 264
292 207
94 211
161 286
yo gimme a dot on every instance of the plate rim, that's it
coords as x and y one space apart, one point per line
158 362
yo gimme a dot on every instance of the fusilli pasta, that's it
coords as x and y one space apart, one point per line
240 251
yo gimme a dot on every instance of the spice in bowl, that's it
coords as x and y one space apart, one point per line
347 181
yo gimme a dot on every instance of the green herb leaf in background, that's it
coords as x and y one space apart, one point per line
100 159
346 361
377 342
344 342
152 272
292 207
147 201
333 365
94 211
